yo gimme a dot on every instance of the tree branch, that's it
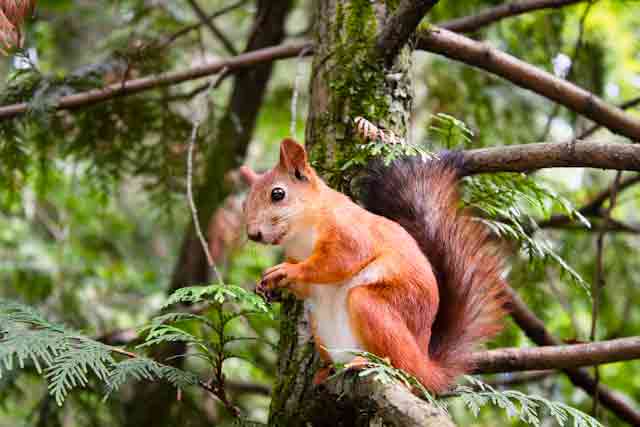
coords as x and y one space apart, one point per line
536 331
400 26
469 24
173 37
557 356
481 55
355 398
521 158
215 31
624 106
131 87
593 207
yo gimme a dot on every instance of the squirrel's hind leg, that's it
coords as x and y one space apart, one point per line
383 331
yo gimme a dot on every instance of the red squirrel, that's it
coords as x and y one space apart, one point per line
409 278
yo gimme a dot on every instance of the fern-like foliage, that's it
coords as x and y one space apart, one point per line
507 201
68 359
517 404
528 408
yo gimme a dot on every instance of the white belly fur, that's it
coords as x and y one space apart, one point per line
329 308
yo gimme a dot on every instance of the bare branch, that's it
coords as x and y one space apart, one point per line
557 356
481 55
521 158
204 19
469 24
534 328
400 26
186 30
131 87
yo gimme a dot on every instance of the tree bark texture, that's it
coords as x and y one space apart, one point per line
348 80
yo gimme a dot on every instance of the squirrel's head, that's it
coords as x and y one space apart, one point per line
278 199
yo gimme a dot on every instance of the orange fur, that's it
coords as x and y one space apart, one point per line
369 282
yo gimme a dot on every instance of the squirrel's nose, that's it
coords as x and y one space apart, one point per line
256 236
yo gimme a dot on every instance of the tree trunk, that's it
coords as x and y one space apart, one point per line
348 81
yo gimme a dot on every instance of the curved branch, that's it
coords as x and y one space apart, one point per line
481 55
400 26
469 24
557 356
131 87
521 158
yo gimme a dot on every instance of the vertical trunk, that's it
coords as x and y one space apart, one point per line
347 81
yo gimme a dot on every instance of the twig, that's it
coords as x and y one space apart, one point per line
173 37
204 19
192 204
470 24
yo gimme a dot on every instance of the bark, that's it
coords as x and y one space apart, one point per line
226 152
557 356
523 158
347 81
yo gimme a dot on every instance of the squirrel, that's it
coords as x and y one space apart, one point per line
407 277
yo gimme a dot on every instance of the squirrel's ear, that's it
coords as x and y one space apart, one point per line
248 175
293 158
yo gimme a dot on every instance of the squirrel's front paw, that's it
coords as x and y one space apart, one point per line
278 276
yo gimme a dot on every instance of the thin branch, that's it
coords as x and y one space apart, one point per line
624 106
483 56
470 24
131 87
557 356
535 329
614 226
593 208
522 158
204 19
173 37
400 26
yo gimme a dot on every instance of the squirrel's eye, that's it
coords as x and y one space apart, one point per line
277 194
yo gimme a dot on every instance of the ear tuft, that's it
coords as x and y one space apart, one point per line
248 175
293 157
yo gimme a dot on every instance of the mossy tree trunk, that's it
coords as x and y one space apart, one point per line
348 80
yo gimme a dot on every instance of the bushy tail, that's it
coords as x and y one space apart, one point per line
422 196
